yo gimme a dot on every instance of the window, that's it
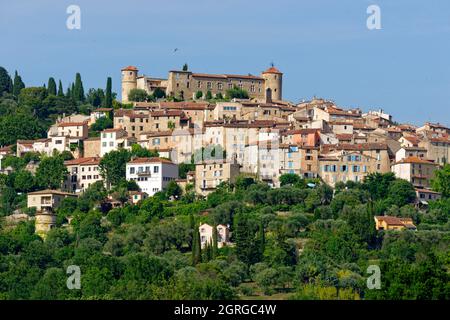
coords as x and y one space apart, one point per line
155 169
220 86
111 144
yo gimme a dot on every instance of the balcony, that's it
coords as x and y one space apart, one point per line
146 173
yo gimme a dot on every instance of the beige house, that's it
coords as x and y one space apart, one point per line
47 200
425 195
82 173
210 173
206 235
415 170
353 162
438 148
91 147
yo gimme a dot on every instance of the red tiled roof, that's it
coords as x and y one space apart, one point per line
71 124
150 160
130 68
416 160
272 70
167 113
83 161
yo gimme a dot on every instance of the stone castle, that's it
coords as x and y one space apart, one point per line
185 84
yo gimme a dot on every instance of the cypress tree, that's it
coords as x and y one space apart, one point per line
72 92
78 91
214 243
196 250
51 88
69 93
5 81
108 93
261 240
17 85
60 89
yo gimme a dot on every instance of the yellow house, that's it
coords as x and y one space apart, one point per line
393 223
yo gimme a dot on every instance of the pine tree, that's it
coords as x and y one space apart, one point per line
51 88
60 89
17 85
78 91
108 93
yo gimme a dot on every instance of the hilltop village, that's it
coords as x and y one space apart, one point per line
184 141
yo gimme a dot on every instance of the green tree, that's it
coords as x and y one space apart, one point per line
51 172
289 179
101 124
112 166
95 97
237 93
5 81
24 181
185 67
108 93
18 84
33 97
51 87
159 93
60 89
401 192
137 95
19 126
173 190
441 181
78 90
198 95
208 95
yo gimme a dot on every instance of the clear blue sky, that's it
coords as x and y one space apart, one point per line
323 47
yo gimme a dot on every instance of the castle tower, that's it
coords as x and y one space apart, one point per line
129 81
273 81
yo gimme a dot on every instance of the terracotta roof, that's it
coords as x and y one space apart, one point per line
345 137
113 130
272 70
83 161
301 131
394 221
185 105
71 124
167 113
48 191
150 160
130 68
357 146
416 160
427 191
103 110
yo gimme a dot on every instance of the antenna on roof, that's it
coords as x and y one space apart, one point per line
272 64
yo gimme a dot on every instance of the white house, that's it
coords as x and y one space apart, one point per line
206 235
114 139
151 174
